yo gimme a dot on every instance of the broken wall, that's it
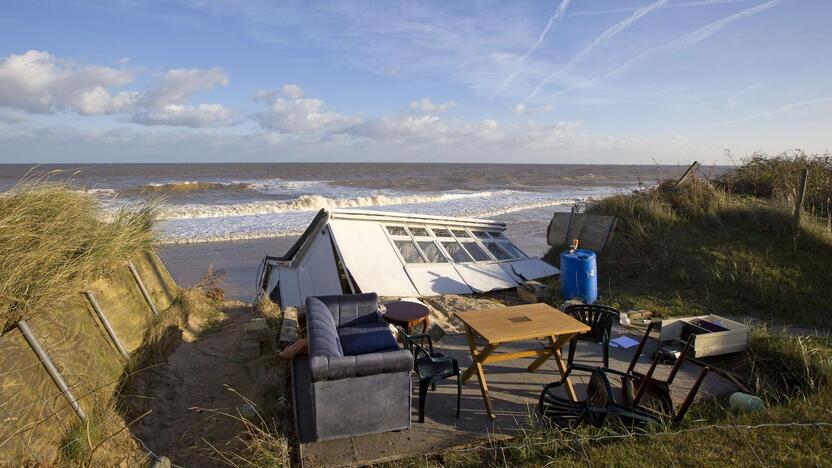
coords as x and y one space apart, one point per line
34 412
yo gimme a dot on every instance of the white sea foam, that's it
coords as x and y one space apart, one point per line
304 203
290 222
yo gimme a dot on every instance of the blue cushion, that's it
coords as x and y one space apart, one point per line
366 338
320 326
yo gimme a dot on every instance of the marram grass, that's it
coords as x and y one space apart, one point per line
54 241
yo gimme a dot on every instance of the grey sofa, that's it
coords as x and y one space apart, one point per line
355 380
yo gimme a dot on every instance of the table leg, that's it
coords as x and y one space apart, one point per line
476 366
556 345
544 357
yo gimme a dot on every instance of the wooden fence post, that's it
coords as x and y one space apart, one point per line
801 195
688 172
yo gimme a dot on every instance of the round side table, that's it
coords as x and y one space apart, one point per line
407 314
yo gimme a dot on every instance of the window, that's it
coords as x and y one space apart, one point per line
480 234
497 235
432 252
497 251
419 231
441 232
476 251
512 250
397 230
456 252
460 233
409 251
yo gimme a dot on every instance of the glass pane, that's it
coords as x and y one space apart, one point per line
432 252
511 249
498 252
409 252
480 234
461 234
441 232
456 252
396 230
497 235
476 251
418 231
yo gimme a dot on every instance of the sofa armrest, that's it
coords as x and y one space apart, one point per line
334 368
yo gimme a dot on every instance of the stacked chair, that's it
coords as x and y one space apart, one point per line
601 404
431 366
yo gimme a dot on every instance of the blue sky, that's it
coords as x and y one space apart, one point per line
580 81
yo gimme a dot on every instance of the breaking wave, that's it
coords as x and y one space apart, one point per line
305 203
192 186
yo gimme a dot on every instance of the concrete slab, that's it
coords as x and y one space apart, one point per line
514 395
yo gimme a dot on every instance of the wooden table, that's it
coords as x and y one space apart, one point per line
518 323
407 314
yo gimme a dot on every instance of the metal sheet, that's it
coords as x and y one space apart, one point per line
482 277
530 268
370 258
436 280
317 272
289 288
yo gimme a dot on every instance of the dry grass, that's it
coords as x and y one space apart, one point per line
53 242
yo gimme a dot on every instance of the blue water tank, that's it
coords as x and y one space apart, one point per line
579 276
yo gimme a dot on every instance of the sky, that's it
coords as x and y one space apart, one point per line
564 81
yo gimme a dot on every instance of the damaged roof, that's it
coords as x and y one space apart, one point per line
400 254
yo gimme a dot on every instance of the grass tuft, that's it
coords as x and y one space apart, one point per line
54 241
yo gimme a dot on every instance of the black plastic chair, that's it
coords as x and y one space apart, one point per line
600 319
601 403
599 407
431 367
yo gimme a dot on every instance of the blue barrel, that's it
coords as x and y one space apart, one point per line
578 276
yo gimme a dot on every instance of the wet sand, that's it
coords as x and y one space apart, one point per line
239 260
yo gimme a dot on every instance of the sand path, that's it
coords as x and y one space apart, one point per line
188 391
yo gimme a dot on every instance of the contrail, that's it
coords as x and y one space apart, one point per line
780 110
700 3
599 41
564 4
689 39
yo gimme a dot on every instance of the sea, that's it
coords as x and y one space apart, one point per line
226 217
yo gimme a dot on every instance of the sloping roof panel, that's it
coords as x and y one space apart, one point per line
437 279
370 258
482 277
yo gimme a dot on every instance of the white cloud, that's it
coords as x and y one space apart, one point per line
299 115
39 82
12 116
291 91
525 109
426 106
167 104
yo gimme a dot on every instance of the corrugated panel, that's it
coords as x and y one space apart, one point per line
125 307
370 258
482 277
157 280
530 268
80 349
435 280
317 271
289 288
33 411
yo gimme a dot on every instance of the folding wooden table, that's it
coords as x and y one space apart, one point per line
518 323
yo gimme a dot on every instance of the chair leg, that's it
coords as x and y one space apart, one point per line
606 344
433 387
458 391
423 393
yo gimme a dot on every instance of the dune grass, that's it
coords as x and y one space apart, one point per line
55 240
699 249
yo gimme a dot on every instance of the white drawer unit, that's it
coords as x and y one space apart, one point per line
713 335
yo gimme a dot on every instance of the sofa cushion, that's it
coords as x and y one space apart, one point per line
320 326
366 338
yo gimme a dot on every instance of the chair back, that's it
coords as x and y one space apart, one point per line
598 317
